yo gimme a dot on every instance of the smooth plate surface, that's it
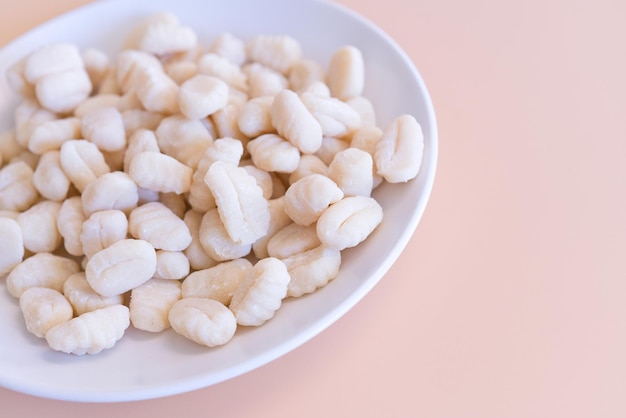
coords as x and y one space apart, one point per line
144 365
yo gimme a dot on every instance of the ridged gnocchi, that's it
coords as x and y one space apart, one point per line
187 186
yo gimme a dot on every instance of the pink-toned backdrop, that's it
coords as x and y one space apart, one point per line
509 299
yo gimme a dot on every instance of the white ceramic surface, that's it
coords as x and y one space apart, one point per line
144 365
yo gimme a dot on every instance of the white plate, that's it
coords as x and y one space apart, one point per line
143 365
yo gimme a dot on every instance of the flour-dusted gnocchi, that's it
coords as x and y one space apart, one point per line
352 170
51 134
293 239
70 223
202 95
216 241
39 227
240 202
105 128
82 162
17 191
11 245
260 294
346 73
171 265
307 198
172 176
91 332
40 270
312 269
44 308
294 122
399 152
218 282
102 229
115 190
150 304
186 184
198 257
348 222
270 152
121 267
223 149
205 321
83 298
49 178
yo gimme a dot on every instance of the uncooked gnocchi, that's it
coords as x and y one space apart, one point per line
183 186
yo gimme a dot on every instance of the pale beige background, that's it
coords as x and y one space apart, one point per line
509 300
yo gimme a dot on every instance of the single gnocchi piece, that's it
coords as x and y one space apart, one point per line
115 190
254 117
39 227
264 81
183 139
97 65
157 91
171 175
52 58
312 270
309 164
82 162
216 241
270 152
330 147
11 245
295 123
17 191
223 149
345 75
142 140
222 68
102 229
204 321
293 239
278 52
278 220
40 270
61 92
49 178
70 224
171 265
83 298
51 134
91 332
121 267
336 118
399 152
218 282
229 46
303 73
150 304
105 128
240 202
349 222
195 253
307 198
352 170
263 179
158 225
202 95
43 309
129 67
259 296
165 36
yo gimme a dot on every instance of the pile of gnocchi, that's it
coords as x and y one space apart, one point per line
186 186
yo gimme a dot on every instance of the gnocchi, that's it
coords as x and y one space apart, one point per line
183 186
